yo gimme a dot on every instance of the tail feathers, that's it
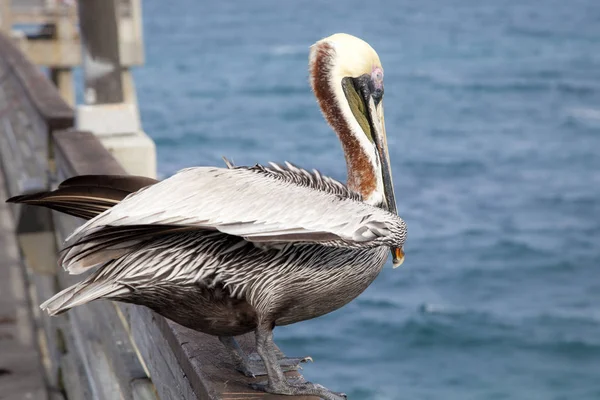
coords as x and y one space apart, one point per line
125 183
82 293
86 196
84 203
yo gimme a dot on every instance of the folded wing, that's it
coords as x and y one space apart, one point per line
266 205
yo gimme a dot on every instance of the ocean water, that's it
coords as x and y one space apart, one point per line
493 121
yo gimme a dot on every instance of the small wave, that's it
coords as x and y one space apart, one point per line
454 168
379 304
548 34
515 249
589 115
278 90
447 80
197 139
581 318
430 308
508 85
449 328
571 348
495 269
282 50
576 87
438 76
564 333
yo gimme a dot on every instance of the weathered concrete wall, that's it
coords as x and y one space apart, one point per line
21 375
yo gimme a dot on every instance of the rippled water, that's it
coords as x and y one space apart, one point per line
493 117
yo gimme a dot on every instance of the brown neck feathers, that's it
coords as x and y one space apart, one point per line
361 172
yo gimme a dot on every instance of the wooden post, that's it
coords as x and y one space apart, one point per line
110 33
63 80
62 77
131 43
101 58
5 19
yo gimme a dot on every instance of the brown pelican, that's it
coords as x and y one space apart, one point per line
233 250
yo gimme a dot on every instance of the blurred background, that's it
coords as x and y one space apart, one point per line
493 121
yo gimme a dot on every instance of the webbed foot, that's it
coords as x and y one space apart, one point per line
295 387
254 366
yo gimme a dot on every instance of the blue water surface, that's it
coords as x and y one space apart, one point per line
493 121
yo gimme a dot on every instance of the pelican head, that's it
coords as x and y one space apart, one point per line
347 78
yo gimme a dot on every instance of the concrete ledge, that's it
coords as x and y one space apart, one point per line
108 119
20 372
136 153
118 128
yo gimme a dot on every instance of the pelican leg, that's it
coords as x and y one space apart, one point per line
240 360
252 365
277 383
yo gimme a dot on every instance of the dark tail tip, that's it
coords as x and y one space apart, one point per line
15 199
24 198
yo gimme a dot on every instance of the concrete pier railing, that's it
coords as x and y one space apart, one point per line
102 350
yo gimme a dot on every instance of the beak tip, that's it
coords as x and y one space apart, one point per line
398 257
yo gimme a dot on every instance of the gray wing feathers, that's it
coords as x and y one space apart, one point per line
243 203
259 207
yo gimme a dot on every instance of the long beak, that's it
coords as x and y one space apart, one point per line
380 140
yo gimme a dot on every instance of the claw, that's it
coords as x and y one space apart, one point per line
297 388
